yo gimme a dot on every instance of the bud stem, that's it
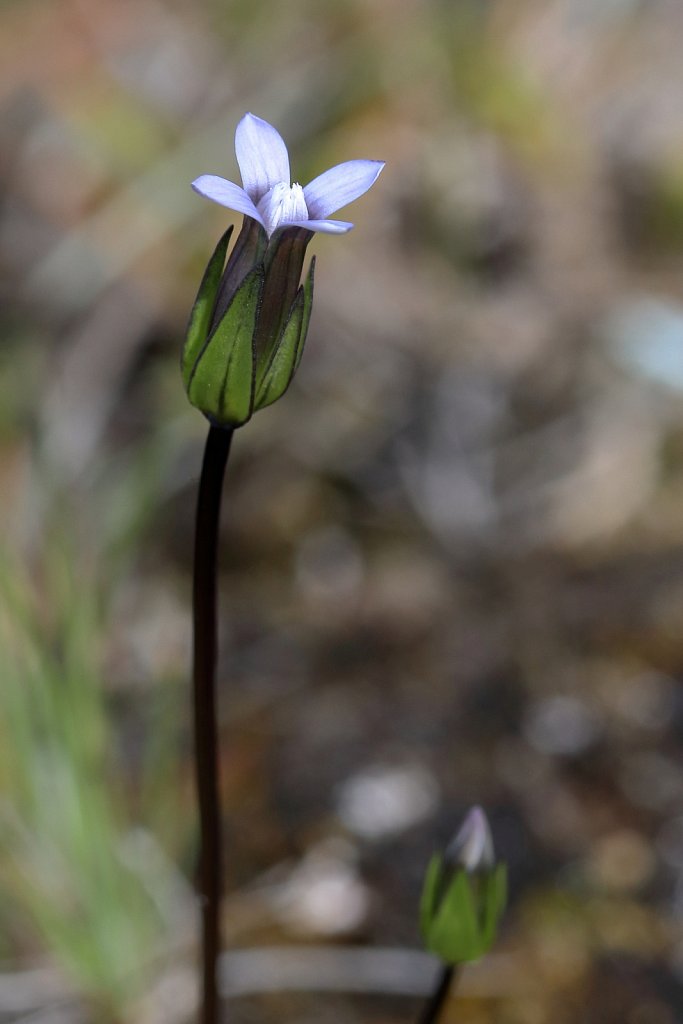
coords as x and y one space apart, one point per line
204 694
434 1005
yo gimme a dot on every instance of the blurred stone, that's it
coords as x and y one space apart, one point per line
625 926
622 861
324 895
382 800
648 700
646 335
652 780
329 568
562 725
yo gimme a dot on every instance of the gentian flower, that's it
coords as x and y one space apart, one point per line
269 197
249 322
464 894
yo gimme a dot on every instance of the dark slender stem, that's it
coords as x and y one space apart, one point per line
434 1004
204 693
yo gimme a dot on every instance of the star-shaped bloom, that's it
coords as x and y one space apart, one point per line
268 195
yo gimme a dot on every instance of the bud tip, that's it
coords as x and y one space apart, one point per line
472 846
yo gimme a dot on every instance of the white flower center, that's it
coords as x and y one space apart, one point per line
282 204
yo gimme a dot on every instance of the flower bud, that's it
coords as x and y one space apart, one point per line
249 323
464 894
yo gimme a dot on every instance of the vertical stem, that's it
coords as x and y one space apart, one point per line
204 694
434 1004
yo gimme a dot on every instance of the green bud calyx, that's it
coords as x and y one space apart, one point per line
464 895
248 325
462 924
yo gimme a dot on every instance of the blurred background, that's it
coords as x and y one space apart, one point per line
452 556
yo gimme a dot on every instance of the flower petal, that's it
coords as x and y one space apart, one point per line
340 186
261 155
327 227
227 193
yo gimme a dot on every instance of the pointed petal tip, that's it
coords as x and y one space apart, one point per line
472 846
261 155
476 819
253 123
340 185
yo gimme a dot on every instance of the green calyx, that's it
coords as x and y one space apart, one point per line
227 370
459 916
276 373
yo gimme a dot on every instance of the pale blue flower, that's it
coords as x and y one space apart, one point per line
268 195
